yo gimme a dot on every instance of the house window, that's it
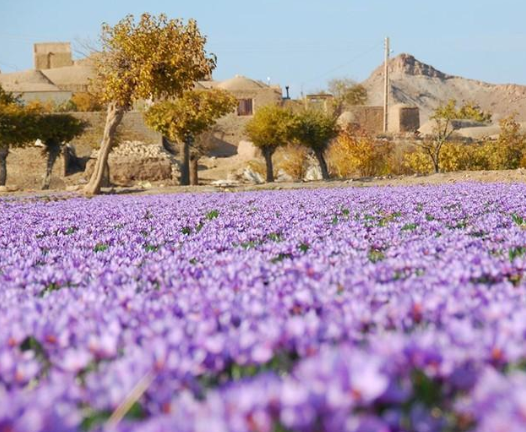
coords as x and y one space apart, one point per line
245 107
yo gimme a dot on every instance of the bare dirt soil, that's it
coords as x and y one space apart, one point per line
515 176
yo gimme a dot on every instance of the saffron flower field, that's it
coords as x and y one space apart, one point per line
364 309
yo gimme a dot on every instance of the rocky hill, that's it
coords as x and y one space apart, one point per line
418 84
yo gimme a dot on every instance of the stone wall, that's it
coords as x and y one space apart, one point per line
403 119
131 162
26 168
132 128
369 118
57 97
230 130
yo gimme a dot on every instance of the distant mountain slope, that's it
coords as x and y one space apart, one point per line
418 84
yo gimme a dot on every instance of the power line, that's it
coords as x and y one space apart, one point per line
304 48
351 61
10 66
386 83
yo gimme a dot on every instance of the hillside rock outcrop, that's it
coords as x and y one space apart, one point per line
418 84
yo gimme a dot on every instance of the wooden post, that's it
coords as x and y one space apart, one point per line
386 84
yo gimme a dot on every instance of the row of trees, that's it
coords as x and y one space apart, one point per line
182 120
350 150
160 59
21 125
507 152
273 127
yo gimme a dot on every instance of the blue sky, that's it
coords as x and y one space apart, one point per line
300 43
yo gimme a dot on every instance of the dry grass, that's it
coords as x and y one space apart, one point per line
293 160
355 153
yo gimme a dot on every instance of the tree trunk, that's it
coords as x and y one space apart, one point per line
4 152
53 151
113 119
185 161
267 153
194 167
66 157
323 164
106 182
436 161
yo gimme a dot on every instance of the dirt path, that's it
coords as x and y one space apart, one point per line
515 176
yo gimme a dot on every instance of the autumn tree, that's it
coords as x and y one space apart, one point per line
271 127
445 124
16 126
355 152
55 130
315 130
155 58
346 93
8 98
184 119
509 151
472 111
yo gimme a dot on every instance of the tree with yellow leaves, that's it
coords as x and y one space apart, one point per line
185 118
153 59
271 127
509 151
444 126
316 130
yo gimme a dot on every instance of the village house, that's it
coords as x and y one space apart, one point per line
56 76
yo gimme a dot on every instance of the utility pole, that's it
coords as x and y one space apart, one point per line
386 84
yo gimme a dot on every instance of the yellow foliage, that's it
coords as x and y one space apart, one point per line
395 164
40 107
418 162
453 157
292 159
86 102
16 126
258 167
456 157
271 127
195 112
155 58
509 151
355 153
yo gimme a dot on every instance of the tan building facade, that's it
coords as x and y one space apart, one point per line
51 55
251 96
402 119
54 78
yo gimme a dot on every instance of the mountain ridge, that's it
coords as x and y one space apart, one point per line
419 84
